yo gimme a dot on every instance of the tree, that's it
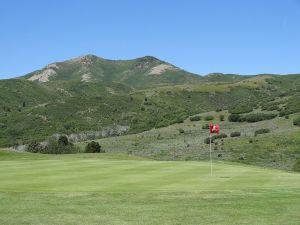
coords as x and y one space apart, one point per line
63 140
93 147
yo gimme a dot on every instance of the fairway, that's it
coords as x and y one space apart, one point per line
116 189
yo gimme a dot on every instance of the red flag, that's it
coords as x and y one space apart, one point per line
214 128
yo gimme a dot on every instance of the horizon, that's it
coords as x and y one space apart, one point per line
231 37
202 75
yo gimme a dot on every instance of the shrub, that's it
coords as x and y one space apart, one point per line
262 131
296 166
53 146
34 147
239 109
205 126
93 147
251 118
296 122
235 134
209 117
221 117
213 138
63 140
181 131
255 117
218 110
234 118
195 118
219 136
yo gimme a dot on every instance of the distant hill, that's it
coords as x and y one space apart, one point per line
139 73
93 97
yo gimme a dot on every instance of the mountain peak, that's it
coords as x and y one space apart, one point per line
147 71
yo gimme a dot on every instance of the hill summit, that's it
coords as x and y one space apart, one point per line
142 72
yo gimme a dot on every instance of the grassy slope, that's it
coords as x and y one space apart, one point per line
82 189
278 149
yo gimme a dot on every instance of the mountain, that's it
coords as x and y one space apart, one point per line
138 73
90 97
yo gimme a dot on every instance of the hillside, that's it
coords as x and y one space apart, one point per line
138 73
91 97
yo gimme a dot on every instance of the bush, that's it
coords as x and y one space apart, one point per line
262 131
234 118
63 140
195 118
213 138
205 126
209 117
296 122
296 166
181 131
34 147
221 117
93 147
251 118
239 109
235 134
53 146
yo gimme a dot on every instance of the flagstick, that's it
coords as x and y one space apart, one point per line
211 168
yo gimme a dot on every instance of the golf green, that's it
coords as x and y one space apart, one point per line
108 189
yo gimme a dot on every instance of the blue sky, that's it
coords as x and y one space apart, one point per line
201 36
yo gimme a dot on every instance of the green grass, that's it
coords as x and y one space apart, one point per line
277 149
116 189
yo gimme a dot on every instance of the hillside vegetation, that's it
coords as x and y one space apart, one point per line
89 97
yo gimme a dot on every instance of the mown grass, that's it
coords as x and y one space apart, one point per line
80 189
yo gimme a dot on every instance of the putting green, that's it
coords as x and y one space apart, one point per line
82 189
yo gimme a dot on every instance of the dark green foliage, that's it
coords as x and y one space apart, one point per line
214 137
235 134
222 117
207 140
296 121
296 166
262 131
239 109
205 126
181 131
63 140
53 146
234 118
34 147
93 147
195 118
208 118
251 118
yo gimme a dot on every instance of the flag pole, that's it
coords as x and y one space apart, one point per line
211 168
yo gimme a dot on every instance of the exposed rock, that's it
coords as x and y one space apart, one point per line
43 75
161 69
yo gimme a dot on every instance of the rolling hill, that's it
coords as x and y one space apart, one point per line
90 97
